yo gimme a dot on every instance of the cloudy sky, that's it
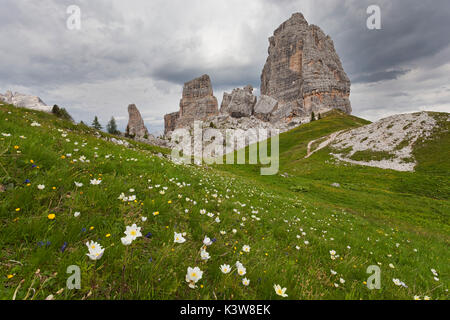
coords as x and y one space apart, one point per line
142 51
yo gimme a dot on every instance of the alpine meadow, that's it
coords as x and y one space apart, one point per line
224 158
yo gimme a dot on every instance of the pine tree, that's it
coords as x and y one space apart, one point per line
96 124
111 127
61 113
313 117
319 117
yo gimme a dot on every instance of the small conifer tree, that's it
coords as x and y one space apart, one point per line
96 124
111 127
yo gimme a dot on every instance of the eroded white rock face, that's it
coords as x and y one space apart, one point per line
25 101
394 136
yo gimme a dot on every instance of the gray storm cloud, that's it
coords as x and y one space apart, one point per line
143 51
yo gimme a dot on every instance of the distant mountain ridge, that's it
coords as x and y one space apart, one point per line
25 101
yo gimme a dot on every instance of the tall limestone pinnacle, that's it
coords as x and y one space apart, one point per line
303 71
136 126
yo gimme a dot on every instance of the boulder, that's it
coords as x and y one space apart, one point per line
240 103
286 111
264 107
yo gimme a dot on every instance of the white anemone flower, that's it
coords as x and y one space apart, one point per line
225 268
96 182
241 270
126 241
204 255
246 248
207 241
245 282
178 238
133 231
193 275
95 250
279 291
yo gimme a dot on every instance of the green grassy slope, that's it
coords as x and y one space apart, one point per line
291 224
418 199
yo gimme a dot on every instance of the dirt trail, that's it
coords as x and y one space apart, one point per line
325 143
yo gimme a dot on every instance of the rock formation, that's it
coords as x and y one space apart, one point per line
303 71
170 121
136 127
240 103
302 74
197 102
264 107
25 101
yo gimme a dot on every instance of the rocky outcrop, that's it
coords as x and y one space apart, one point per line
136 127
264 107
303 71
170 121
240 103
388 143
225 103
224 122
25 101
198 102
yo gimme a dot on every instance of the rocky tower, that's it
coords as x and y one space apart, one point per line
197 102
303 71
136 126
